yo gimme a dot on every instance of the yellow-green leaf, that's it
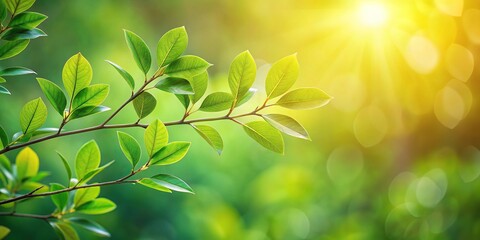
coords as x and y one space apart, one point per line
33 116
130 147
97 206
287 125
60 200
156 136
18 6
304 98
171 45
139 50
187 67
242 74
77 74
54 95
144 104
27 163
266 135
216 102
4 231
10 49
87 159
210 135
84 195
171 153
93 95
281 76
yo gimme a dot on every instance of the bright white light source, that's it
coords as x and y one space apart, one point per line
373 14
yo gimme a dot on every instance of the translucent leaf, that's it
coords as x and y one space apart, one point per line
27 20
171 46
97 206
242 74
12 48
304 98
139 50
16 71
281 76
54 94
21 34
166 183
128 78
171 153
76 74
148 182
156 136
246 97
60 200
87 111
33 115
66 165
64 231
90 226
130 147
210 135
199 84
87 159
175 86
287 125
187 67
27 164
84 195
216 102
144 104
18 6
459 62
266 135
93 95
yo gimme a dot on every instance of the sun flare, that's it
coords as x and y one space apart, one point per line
373 14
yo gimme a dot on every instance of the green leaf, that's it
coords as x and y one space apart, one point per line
171 46
90 226
246 97
87 111
210 135
242 74
27 20
87 159
15 71
139 50
304 98
76 75
171 182
93 95
144 104
94 172
4 231
184 100
171 153
216 102
175 86
2 80
64 231
130 148
3 15
60 200
20 34
18 6
33 115
266 135
199 84
27 164
3 138
84 195
187 67
12 48
151 183
287 125
54 94
97 206
3 90
156 136
128 78
20 137
66 165
281 76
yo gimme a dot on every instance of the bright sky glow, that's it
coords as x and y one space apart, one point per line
373 14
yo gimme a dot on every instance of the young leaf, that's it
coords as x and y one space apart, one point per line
3 138
171 153
172 183
27 163
151 183
187 67
246 97
281 76
184 100
92 95
64 231
54 95
130 147
175 86
90 226
19 136
87 111
60 200
87 159
139 50
4 231
304 98
128 78
171 45
15 71
3 90
84 195
20 34
144 104
199 84
33 115
286 125
97 206
12 48
18 6
156 136
266 135
94 172
242 74
2 80
66 165
76 74
210 135
216 102
27 20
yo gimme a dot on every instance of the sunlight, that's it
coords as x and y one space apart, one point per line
373 14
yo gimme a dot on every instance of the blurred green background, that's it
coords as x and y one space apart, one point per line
394 156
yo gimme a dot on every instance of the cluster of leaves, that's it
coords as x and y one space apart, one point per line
184 76
16 33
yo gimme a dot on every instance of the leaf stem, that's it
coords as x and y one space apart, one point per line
25 215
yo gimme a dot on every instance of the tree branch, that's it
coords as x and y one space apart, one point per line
24 215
